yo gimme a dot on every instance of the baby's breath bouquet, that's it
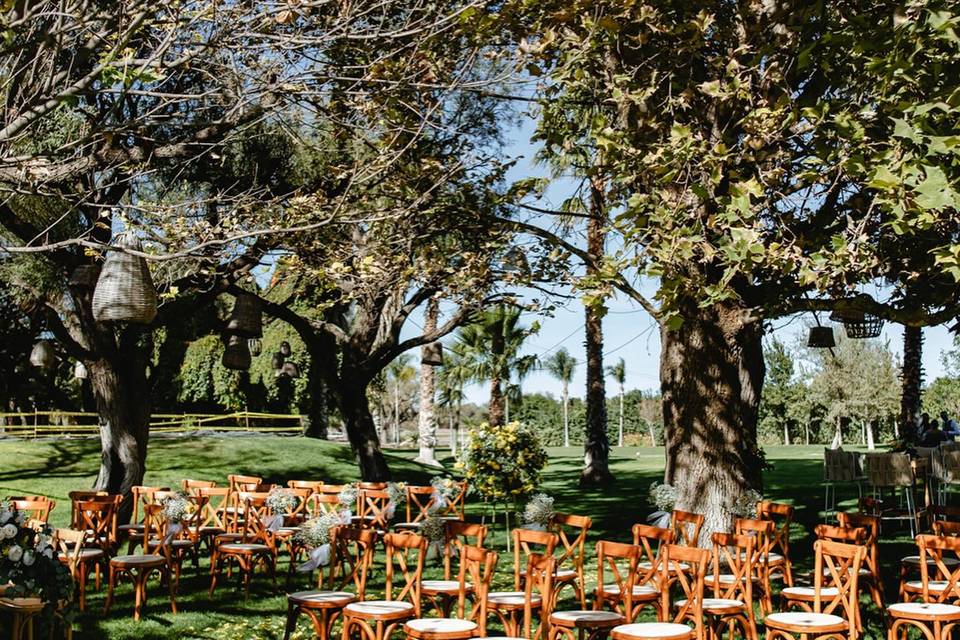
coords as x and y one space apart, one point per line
347 498
314 534
664 496
281 501
397 492
177 508
745 506
538 512
434 529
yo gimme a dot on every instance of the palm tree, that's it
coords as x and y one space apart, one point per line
618 372
400 373
489 349
561 366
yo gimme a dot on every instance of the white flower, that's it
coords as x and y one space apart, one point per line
14 553
47 553
5 516
28 558
8 531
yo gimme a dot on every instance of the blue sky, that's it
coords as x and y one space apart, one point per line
629 332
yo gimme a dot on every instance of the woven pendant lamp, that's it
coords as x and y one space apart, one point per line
80 371
285 349
236 354
432 355
290 369
42 355
125 291
256 347
821 338
245 318
859 324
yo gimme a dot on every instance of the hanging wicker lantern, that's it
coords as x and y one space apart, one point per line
290 369
42 355
236 355
285 349
256 347
277 361
245 318
432 355
80 371
125 291
821 338
85 276
858 324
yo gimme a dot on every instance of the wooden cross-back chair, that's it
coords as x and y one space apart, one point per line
870 575
515 610
132 531
442 594
651 539
456 507
836 611
621 560
213 515
37 509
527 542
372 510
322 503
937 613
345 579
779 557
419 502
190 486
732 603
686 527
572 532
98 518
81 496
622 593
233 511
377 619
71 551
762 531
139 568
304 484
257 544
477 566
285 536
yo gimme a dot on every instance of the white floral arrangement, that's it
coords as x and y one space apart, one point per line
28 562
434 529
663 496
397 492
314 534
538 512
745 505
281 501
177 508
446 488
348 496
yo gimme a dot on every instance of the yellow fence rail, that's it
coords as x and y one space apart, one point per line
51 424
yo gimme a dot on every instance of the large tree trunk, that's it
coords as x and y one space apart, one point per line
596 444
566 415
911 378
427 419
361 431
711 372
318 420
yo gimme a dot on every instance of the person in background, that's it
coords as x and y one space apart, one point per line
950 426
933 437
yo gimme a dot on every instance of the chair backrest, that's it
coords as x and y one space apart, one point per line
304 484
620 562
321 503
141 496
477 567
217 500
35 509
69 543
77 497
99 519
871 524
932 550
946 528
156 529
457 505
572 531
256 515
944 512
840 465
848 535
376 486
189 485
540 571
406 552
651 540
838 565
735 555
527 542
235 481
686 527
300 511
888 469
782 517
459 534
950 465
329 489
419 501
353 555
762 531
691 583
373 508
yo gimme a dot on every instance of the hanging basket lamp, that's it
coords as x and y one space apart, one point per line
256 347
42 355
245 318
236 354
432 355
821 338
80 371
125 291
285 349
290 369
858 324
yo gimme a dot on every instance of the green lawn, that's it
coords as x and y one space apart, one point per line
56 467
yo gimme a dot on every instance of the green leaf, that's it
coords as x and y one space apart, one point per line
935 191
903 129
883 178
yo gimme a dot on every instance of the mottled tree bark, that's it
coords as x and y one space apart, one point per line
711 372
427 418
911 377
362 432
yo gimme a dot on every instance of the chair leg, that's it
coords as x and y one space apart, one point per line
111 584
293 612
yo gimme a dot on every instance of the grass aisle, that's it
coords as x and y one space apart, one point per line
56 467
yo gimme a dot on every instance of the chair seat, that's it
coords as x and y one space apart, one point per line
382 609
228 537
442 586
407 525
933 585
652 630
809 592
149 560
915 561
639 590
441 625
718 606
243 547
22 605
771 558
729 578
510 599
581 618
559 574
321 599
674 566
88 554
925 610
133 526
208 530
176 544
822 622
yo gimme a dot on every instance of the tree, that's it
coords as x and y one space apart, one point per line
489 348
769 159
782 393
454 375
561 365
399 375
618 372
911 377
426 417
